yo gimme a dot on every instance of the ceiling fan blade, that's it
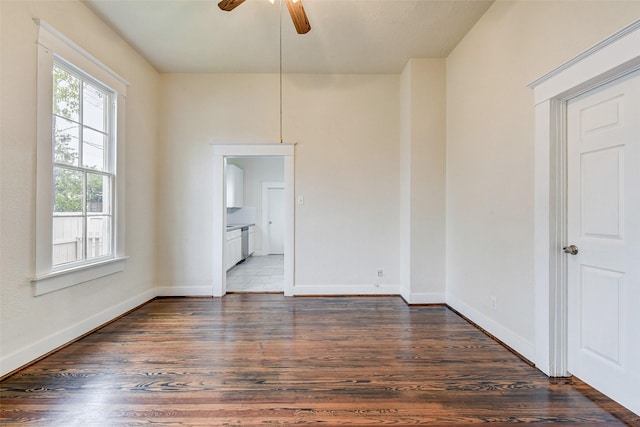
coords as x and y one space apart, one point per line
298 16
229 5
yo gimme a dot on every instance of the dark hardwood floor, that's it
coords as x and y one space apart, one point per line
266 359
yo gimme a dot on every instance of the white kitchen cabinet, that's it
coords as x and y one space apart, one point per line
233 248
252 239
235 186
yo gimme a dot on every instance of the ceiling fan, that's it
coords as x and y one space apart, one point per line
296 11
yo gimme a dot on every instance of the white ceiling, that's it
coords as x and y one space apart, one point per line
347 36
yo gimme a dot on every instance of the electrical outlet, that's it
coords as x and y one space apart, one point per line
380 273
494 303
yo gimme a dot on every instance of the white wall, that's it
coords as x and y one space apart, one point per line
31 325
347 169
422 171
256 171
490 151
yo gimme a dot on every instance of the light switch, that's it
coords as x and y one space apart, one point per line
301 200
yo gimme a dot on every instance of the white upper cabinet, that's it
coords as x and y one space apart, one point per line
235 186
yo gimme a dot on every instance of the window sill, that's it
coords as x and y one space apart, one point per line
57 280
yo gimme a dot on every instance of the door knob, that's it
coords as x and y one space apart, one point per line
572 249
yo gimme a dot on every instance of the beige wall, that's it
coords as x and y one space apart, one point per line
33 325
347 170
490 151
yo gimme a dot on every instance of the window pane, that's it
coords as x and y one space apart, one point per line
93 149
94 107
66 94
98 194
65 137
98 236
67 239
68 190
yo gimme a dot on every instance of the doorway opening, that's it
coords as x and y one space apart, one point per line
254 244
238 153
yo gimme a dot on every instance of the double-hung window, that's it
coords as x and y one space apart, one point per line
80 166
83 168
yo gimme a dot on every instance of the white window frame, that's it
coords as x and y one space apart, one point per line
54 45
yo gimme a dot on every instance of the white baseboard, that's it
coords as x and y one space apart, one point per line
525 348
36 350
184 291
300 290
424 298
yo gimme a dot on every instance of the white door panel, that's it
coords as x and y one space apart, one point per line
601 291
603 159
603 186
276 220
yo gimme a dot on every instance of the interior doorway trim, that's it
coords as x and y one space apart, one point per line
610 59
220 152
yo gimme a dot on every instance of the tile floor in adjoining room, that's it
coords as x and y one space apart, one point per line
257 274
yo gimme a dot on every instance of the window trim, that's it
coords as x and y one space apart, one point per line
54 45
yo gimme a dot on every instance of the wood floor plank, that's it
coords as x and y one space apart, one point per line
266 359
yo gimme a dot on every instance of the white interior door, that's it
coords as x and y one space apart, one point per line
275 222
603 202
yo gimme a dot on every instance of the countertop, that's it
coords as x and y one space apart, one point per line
237 226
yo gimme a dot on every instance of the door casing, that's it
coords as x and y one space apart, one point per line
610 59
